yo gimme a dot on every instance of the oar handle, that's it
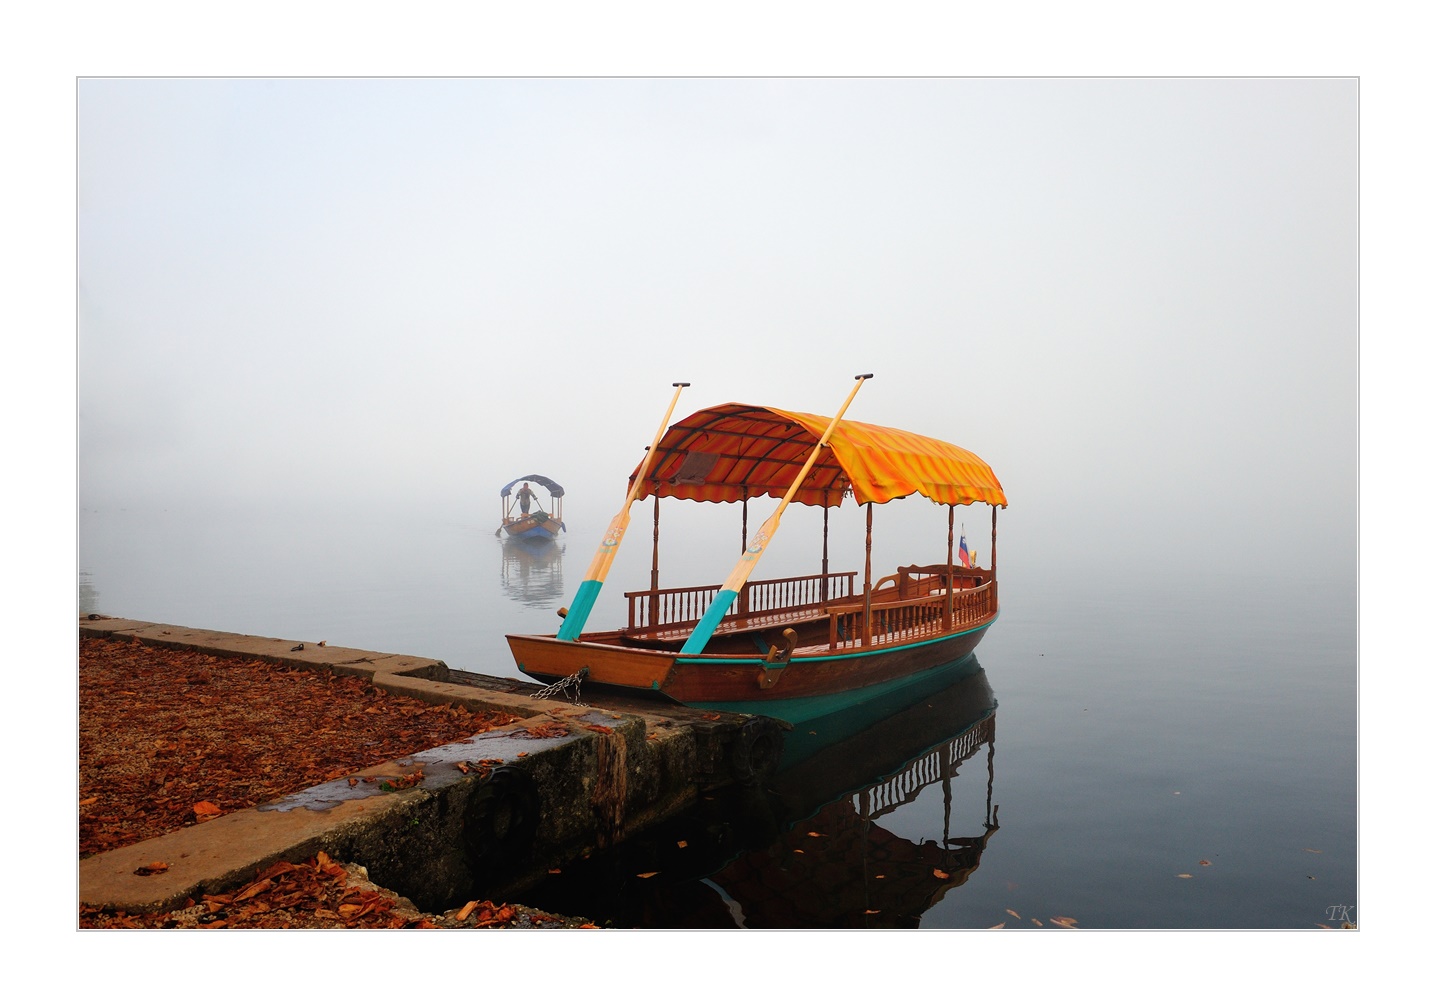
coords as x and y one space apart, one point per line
638 478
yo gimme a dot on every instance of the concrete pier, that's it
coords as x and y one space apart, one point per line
487 816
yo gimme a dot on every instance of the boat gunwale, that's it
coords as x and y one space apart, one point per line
826 655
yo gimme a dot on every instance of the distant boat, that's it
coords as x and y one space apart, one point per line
793 647
532 521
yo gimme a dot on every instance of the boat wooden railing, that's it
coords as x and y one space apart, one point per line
886 623
917 581
662 611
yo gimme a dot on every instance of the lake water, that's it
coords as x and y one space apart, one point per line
1144 749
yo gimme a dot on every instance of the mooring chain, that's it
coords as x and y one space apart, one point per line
562 686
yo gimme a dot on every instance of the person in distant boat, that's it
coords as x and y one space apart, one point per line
526 499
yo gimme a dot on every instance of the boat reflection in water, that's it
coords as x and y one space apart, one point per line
531 571
823 845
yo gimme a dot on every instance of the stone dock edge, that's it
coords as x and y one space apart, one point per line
564 781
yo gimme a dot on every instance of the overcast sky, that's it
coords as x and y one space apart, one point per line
1135 298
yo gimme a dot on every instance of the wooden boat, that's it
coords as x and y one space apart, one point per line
531 523
791 647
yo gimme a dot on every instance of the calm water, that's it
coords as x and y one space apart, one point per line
1155 750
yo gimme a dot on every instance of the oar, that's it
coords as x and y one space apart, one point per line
698 640
583 599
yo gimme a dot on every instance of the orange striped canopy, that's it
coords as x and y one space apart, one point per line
736 451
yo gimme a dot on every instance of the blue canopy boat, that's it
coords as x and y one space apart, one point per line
533 521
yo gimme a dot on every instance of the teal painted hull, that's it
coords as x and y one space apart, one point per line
798 709
946 658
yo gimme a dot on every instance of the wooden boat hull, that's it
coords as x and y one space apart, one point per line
803 687
533 527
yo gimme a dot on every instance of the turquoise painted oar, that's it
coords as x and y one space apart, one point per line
703 632
583 599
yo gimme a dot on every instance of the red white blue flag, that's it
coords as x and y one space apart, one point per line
963 557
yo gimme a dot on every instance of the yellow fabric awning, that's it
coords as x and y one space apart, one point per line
737 451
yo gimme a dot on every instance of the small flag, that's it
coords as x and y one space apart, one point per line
963 557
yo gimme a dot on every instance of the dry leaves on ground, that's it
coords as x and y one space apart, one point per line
320 893
170 737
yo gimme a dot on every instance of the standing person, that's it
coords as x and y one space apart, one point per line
526 499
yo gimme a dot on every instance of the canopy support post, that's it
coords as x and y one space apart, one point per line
947 624
868 583
823 590
653 580
744 548
992 559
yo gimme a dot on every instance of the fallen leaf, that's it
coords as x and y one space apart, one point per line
153 868
257 887
89 801
872 911
810 833
1014 913
1184 875
647 874
1036 921
206 808
997 927
682 843
1203 861
1066 922
468 909
939 873
1311 850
